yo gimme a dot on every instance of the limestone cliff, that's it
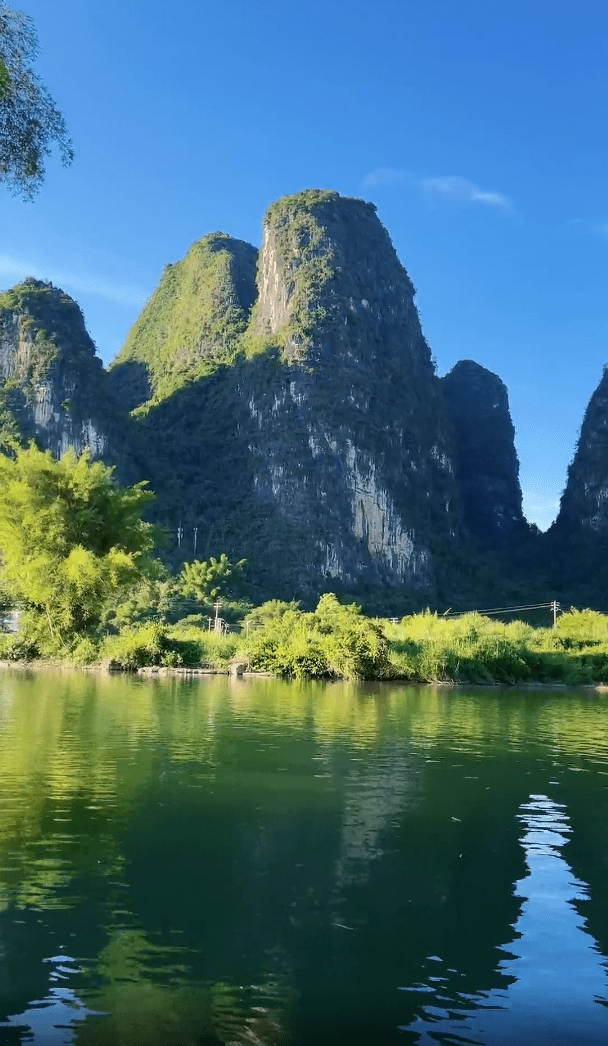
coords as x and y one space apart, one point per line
293 418
366 455
53 387
487 467
584 503
322 438
578 539
192 323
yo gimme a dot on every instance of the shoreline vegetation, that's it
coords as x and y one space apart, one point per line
337 641
82 568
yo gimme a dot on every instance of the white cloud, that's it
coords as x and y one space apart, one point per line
449 187
15 269
385 176
462 190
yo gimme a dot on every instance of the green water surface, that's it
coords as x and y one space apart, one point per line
251 861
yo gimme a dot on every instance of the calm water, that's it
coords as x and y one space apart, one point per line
269 863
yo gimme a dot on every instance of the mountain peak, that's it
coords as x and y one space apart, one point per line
192 323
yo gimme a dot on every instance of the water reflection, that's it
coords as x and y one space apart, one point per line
50 1021
255 861
554 974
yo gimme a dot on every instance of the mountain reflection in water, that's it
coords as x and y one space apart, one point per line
204 863
557 975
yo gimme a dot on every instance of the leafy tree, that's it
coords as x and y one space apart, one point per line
70 540
155 598
269 613
29 118
207 580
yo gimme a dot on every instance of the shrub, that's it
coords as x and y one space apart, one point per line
18 648
86 652
580 628
149 645
335 640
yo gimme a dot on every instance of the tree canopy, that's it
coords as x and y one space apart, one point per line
29 118
209 579
70 539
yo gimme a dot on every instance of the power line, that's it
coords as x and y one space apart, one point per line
500 610
552 605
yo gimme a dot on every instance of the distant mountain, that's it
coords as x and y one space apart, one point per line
487 467
53 387
577 543
192 323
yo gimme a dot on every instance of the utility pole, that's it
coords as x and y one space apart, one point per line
218 621
195 537
555 608
180 534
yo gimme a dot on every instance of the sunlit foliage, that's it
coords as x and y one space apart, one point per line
70 538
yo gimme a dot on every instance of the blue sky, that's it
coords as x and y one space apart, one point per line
478 129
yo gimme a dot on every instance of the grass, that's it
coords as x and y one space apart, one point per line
477 649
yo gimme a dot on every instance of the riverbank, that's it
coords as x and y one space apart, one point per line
193 672
338 642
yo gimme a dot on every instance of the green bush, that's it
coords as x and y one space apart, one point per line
334 641
582 628
211 647
150 645
18 648
86 652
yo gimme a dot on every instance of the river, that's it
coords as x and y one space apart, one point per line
217 861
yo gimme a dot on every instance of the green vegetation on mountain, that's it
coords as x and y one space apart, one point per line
51 328
296 239
53 387
192 323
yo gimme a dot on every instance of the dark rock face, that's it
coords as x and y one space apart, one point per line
350 440
577 543
487 468
53 387
308 434
584 504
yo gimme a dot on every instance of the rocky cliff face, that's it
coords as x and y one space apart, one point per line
351 439
53 387
487 467
313 439
584 505
576 543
